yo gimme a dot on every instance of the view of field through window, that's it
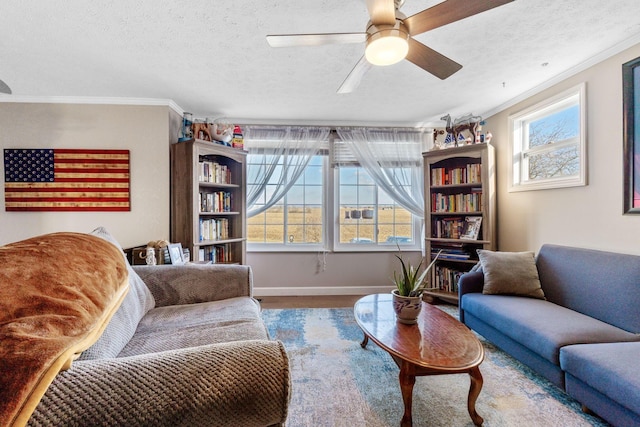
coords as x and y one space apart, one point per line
304 225
367 215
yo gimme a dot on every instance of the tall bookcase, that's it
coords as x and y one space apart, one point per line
459 194
208 201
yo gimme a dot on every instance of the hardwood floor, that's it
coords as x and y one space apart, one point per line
315 301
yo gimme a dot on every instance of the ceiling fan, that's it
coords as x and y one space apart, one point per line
389 36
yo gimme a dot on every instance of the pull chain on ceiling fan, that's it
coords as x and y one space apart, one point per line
389 37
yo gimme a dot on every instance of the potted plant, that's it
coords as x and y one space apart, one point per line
410 283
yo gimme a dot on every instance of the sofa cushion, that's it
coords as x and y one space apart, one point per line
189 325
540 325
611 369
511 273
604 285
125 321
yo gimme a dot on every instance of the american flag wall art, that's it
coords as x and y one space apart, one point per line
66 180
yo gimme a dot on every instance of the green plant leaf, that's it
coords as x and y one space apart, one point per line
409 283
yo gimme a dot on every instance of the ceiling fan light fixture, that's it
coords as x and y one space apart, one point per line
387 46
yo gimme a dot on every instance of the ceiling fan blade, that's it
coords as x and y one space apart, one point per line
4 88
291 40
382 11
355 76
431 61
447 12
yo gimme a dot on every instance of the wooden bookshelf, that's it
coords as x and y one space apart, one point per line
459 193
208 201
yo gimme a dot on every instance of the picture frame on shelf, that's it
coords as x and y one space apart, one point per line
471 228
631 135
175 253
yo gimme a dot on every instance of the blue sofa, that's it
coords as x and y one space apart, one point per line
584 336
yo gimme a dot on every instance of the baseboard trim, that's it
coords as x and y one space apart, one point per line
319 290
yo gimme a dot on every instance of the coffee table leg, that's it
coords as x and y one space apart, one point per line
474 392
407 380
364 342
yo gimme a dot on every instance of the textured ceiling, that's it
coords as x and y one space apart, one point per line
211 58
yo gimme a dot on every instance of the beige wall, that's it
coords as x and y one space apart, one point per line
144 130
589 216
315 274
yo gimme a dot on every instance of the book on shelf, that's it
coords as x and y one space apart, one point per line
455 251
215 254
448 228
214 229
461 202
210 171
446 278
469 174
219 201
471 229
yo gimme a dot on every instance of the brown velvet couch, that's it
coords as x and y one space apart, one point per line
187 347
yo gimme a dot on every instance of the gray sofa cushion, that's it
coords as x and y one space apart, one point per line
511 273
541 326
124 322
189 325
604 285
611 369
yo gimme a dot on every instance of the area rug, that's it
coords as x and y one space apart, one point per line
335 382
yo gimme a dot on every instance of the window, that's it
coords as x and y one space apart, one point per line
301 199
297 219
549 143
368 216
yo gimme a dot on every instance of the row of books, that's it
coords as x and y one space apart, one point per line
214 229
216 254
218 201
450 254
446 279
470 174
209 171
455 251
462 202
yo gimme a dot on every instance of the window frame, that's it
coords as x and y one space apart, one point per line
301 247
331 222
518 154
417 225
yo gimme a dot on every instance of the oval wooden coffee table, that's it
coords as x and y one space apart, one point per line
438 344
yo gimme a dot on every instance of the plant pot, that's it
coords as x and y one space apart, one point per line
407 309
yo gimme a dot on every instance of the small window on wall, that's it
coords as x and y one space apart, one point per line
548 143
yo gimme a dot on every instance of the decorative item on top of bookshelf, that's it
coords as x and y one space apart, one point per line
215 131
465 130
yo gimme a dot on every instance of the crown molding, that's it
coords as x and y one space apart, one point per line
152 102
594 60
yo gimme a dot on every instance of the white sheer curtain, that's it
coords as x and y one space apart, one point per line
393 158
286 151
